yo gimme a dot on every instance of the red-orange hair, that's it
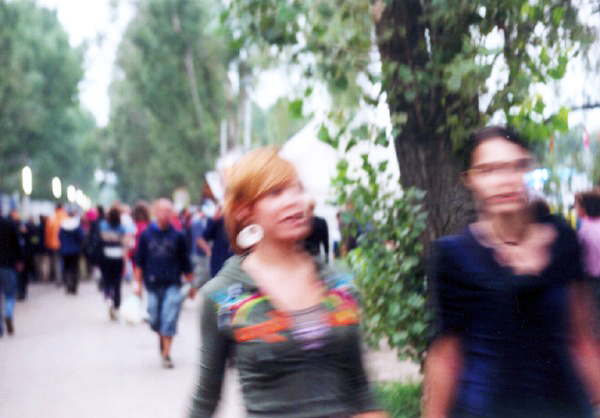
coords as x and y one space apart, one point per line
257 173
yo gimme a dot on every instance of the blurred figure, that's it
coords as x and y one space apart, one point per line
44 265
513 335
220 250
11 259
162 257
318 238
112 262
589 236
53 243
93 245
540 208
199 254
130 232
291 325
22 277
141 217
71 245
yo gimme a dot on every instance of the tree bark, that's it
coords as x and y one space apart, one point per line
190 71
425 152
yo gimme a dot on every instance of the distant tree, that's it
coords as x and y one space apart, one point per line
41 121
167 99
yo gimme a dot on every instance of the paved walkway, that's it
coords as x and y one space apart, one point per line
67 359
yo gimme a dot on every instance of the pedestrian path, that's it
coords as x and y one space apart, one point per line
67 359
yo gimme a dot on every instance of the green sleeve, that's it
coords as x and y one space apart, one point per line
213 358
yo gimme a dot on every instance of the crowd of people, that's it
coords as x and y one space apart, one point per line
103 245
515 294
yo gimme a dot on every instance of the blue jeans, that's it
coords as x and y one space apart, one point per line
8 289
164 304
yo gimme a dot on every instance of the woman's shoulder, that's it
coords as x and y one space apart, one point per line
229 282
565 233
455 243
338 279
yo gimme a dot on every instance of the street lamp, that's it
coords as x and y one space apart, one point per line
71 193
27 179
56 188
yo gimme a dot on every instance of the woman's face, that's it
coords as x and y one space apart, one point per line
283 213
496 176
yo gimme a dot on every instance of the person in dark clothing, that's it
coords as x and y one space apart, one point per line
513 330
113 257
43 257
162 257
31 238
22 277
220 250
71 246
11 259
93 246
319 236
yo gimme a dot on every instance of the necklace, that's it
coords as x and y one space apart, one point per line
504 241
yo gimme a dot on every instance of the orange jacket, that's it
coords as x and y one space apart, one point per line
53 228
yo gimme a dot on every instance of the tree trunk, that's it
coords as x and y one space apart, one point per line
425 152
190 72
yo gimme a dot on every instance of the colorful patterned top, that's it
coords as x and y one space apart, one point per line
283 371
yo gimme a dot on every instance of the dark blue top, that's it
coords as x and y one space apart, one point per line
70 237
162 255
10 249
221 251
514 329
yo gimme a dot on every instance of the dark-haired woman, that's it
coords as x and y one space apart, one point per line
514 336
113 257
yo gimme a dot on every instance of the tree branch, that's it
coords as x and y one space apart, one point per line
586 106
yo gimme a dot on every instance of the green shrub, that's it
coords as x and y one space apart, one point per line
388 262
400 400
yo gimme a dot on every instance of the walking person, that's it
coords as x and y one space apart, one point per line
514 335
141 217
71 246
318 238
11 260
112 258
53 243
22 278
215 242
199 255
290 323
162 258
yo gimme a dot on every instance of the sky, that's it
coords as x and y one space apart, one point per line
101 26
94 22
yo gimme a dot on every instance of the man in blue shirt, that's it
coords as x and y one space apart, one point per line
163 257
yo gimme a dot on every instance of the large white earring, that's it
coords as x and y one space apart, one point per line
250 236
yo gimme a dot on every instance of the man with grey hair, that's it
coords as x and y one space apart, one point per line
163 258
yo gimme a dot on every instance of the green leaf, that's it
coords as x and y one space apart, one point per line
295 108
560 121
324 136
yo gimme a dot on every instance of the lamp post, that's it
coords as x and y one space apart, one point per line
71 193
27 183
56 188
27 180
